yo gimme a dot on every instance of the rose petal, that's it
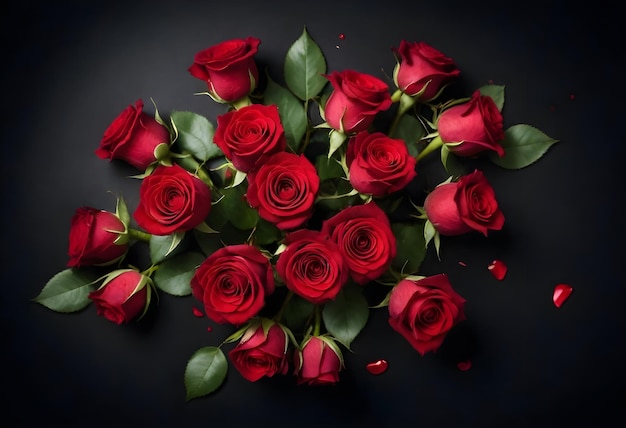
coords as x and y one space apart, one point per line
377 367
561 293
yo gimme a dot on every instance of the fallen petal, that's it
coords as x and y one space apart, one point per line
498 269
197 312
464 365
561 293
377 367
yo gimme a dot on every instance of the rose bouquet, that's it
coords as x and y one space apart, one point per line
279 218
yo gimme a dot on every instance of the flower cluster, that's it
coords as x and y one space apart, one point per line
277 218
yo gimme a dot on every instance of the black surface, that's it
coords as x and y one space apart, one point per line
70 67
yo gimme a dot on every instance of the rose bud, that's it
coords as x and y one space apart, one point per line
355 100
473 127
228 69
318 362
364 237
423 311
379 165
468 204
96 237
422 71
248 136
123 296
284 189
261 352
232 283
136 138
171 200
312 266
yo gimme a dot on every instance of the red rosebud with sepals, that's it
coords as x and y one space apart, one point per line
135 138
318 361
123 295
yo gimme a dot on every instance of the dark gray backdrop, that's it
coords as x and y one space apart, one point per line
70 67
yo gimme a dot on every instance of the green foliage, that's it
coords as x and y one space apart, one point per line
523 145
328 168
205 372
234 207
228 235
174 275
163 246
304 68
452 163
67 291
411 247
297 312
496 92
292 113
195 135
411 131
346 315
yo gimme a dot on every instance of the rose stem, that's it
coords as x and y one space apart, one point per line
433 145
139 235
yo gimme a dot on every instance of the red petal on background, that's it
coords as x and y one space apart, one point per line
197 312
561 293
498 269
342 36
377 367
464 365
462 264
209 329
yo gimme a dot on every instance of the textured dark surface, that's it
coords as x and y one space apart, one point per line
69 68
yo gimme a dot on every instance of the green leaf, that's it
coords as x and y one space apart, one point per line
452 163
411 247
195 135
121 210
496 92
67 291
163 246
266 233
346 316
205 372
297 312
228 235
234 207
411 131
174 275
523 144
291 111
328 168
304 68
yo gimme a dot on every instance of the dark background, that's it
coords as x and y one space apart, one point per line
69 68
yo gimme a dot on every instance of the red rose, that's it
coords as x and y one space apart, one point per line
363 234
284 189
134 137
172 200
422 70
261 353
423 311
96 237
228 69
355 100
468 204
232 283
378 164
248 136
312 266
318 363
473 127
122 296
